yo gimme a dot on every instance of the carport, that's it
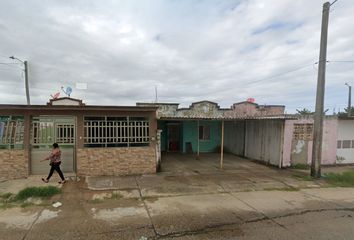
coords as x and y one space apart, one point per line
256 138
246 129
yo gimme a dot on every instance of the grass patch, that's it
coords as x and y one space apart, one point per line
287 189
303 177
26 204
345 179
96 201
6 195
300 166
116 195
6 205
39 192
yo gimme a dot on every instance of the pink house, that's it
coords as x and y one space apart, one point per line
297 148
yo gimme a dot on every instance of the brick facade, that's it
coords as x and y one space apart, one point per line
13 164
116 161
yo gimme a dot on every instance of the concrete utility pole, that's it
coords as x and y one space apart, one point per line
349 100
26 83
318 117
26 78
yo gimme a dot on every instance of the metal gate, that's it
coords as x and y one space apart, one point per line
45 131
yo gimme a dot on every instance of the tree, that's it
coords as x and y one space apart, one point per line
304 112
345 113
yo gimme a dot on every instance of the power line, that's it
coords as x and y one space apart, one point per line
281 74
8 63
15 65
344 61
333 2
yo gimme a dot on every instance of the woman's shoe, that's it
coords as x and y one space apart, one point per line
62 182
45 180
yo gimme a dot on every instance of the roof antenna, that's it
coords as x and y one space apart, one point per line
155 94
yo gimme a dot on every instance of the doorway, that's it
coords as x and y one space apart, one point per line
45 131
173 137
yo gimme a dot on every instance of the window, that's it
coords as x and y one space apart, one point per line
11 132
303 131
204 132
116 131
346 143
339 144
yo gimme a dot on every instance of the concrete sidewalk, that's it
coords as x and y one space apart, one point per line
16 185
224 215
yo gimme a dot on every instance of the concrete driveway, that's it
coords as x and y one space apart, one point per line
183 175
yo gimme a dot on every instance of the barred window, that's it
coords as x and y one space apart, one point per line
11 132
116 131
46 130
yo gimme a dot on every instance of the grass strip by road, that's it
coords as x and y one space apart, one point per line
345 179
39 192
8 200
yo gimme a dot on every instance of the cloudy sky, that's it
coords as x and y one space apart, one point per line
219 50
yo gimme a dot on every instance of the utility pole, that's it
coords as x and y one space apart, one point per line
318 117
26 78
26 83
349 100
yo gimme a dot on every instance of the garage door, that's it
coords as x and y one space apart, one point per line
44 132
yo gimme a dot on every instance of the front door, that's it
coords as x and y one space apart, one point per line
47 130
173 134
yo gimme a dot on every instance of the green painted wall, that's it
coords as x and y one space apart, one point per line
190 134
162 125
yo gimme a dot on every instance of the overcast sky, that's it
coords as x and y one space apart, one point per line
192 50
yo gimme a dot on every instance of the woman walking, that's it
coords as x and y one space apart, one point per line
55 161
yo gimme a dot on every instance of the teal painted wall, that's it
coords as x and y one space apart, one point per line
190 134
162 126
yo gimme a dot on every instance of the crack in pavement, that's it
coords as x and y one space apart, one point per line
33 223
146 208
216 227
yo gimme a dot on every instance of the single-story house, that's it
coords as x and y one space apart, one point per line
95 140
246 129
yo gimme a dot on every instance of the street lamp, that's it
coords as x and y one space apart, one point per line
349 99
26 78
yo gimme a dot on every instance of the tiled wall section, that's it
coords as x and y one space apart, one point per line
116 161
13 164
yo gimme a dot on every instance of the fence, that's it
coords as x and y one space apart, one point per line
116 131
11 134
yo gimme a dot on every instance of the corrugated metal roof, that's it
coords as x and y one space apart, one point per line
275 117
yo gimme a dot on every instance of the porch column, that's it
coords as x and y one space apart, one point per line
222 145
80 131
27 140
198 140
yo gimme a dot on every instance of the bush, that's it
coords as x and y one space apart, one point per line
41 192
